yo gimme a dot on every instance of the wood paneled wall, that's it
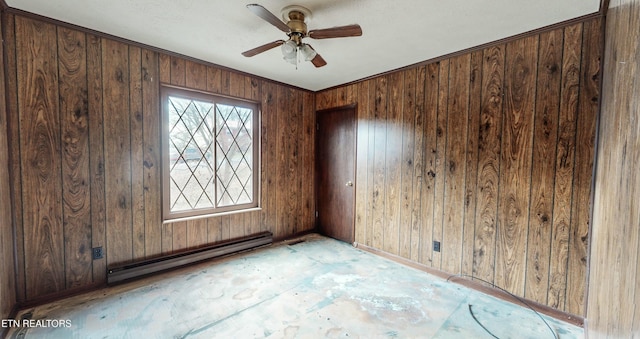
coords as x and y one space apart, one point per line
7 272
85 151
614 278
490 153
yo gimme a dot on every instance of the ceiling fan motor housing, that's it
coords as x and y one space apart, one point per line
297 25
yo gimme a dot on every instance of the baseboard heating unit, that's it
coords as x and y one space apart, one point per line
138 269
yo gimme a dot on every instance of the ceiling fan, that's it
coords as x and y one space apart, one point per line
296 30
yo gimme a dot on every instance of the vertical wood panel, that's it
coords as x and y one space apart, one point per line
430 151
393 160
196 233
137 151
13 133
569 93
269 156
7 241
407 161
96 154
295 161
308 160
379 97
76 194
117 151
489 154
178 74
542 175
455 163
513 208
284 175
364 124
585 144
614 260
151 140
440 158
196 75
369 95
415 246
471 180
40 154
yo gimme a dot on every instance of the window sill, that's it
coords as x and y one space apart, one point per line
212 215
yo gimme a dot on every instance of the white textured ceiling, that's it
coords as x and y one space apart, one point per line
395 33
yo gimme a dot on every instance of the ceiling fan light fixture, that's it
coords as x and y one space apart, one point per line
289 49
307 52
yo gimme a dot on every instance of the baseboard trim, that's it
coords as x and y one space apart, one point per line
492 291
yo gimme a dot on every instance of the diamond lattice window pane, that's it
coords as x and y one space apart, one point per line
234 155
190 165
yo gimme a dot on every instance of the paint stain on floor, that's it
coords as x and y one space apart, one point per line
321 289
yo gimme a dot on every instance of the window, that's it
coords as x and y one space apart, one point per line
211 146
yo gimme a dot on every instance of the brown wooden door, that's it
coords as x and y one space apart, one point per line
335 170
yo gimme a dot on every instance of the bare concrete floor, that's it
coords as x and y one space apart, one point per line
314 289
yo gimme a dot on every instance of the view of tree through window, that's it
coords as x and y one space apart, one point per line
211 154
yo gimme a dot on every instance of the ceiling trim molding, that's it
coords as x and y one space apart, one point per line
548 28
30 15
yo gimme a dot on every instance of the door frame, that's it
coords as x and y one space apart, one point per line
353 106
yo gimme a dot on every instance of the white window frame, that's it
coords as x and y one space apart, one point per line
167 91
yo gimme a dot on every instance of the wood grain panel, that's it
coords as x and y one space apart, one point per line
269 156
117 152
393 160
370 194
429 172
564 166
614 241
13 134
471 180
164 65
455 162
178 73
137 151
40 157
96 152
295 112
308 162
196 75
489 154
363 125
517 139
152 154
379 97
440 158
407 162
543 173
585 134
74 123
415 246
493 146
7 248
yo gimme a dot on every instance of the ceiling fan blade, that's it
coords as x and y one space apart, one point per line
268 17
336 32
317 60
262 48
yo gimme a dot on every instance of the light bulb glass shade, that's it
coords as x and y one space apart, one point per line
289 49
307 52
291 58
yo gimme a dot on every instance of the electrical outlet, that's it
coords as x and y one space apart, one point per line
436 246
97 253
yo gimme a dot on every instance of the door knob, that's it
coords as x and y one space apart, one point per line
349 183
